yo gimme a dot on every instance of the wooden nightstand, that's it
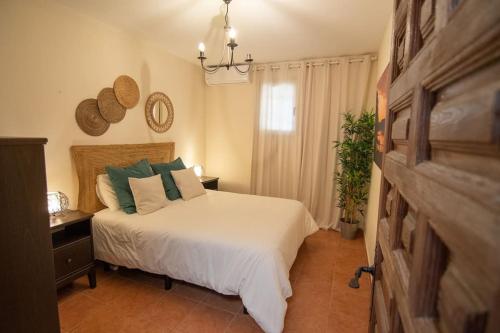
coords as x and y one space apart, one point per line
72 247
210 183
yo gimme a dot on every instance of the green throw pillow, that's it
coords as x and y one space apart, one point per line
168 182
119 179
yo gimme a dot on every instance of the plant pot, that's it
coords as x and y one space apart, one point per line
348 230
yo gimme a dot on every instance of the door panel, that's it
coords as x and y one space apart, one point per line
437 265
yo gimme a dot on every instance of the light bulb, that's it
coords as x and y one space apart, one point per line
198 170
232 33
54 203
201 47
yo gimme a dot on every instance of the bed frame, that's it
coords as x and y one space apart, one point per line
91 161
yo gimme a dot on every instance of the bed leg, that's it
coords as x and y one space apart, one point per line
168 282
245 311
92 278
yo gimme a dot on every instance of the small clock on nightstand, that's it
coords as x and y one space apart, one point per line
72 247
210 183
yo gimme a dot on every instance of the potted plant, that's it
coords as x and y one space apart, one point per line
355 155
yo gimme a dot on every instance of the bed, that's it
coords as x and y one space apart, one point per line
235 244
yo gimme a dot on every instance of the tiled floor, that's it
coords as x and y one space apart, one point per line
131 301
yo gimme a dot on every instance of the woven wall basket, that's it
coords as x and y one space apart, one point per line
89 118
111 110
126 91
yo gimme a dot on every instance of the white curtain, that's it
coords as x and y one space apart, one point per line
298 119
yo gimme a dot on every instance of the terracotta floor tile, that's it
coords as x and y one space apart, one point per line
205 319
169 312
316 270
136 298
109 318
133 301
343 324
341 284
311 291
190 291
224 302
109 289
355 244
351 302
243 324
308 308
298 320
295 270
74 310
67 292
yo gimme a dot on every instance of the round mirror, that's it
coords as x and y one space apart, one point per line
159 112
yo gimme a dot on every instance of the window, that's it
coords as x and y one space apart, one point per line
277 107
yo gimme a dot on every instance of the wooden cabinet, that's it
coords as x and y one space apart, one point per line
73 247
437 256
210 183
28 300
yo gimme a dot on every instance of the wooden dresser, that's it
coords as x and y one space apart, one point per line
28 301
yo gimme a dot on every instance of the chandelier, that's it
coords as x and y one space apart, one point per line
229 46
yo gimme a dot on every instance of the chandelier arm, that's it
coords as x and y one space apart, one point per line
221 60
242 71
208 70
212 68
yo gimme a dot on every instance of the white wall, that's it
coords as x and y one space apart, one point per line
52 57
371 220
230 125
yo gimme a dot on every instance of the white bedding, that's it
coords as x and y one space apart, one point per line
235 244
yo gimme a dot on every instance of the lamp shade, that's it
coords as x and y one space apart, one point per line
57 202
198 170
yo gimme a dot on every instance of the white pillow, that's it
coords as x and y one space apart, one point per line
188 184
149 194
106 193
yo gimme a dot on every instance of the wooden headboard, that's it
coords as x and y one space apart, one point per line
91 161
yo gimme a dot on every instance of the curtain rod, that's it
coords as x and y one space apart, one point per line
310 63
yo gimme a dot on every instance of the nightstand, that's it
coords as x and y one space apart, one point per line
73 247
210 183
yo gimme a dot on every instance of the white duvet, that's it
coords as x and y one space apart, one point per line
235 244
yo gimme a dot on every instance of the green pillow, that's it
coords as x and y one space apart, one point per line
119 179
168 182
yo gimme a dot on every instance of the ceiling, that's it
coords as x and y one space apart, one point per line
272 30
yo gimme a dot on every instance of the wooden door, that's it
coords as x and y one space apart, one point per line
438 254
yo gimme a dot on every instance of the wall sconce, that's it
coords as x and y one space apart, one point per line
198 170
58 202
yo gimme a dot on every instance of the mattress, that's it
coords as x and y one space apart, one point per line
235 244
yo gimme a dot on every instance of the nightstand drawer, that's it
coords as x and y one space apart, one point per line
72 257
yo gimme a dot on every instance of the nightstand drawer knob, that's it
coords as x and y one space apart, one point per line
69 260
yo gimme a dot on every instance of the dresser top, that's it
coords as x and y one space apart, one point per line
21 141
